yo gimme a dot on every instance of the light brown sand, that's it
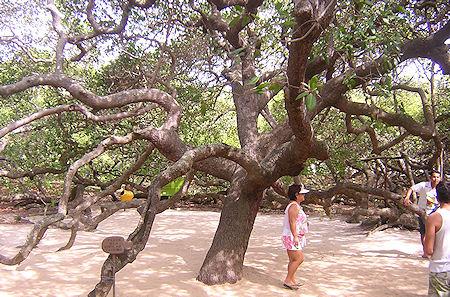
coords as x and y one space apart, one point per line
340 260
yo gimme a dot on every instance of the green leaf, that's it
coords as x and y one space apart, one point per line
246 20
237 51
203 108
260 88
310 102
401 9
301 95
264 84
275 87
390 65
278 6
313 82
288 23
253 80
350 80
235 21
173 187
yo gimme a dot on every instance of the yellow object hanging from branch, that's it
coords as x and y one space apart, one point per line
125 195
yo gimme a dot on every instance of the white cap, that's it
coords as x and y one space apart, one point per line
303 190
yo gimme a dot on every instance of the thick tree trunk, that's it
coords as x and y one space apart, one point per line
225 258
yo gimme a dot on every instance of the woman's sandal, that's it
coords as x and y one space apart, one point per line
290 287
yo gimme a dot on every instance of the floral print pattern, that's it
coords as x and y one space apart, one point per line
302 229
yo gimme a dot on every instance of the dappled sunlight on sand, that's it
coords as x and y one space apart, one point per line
340 260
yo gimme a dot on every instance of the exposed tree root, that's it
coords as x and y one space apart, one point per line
381 228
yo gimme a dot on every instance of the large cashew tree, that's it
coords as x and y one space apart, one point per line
287 63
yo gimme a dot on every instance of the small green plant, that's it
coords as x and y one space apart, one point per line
311 93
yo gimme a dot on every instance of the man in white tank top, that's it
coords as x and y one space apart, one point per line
437 245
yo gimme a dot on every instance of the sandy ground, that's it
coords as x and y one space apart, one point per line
340 260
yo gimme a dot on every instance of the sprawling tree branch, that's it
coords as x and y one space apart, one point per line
311 19
30 173
426 106
33 239
110 141
140 235
432 47
94 101
73 107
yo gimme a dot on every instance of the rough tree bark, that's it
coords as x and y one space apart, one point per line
262 158
225 258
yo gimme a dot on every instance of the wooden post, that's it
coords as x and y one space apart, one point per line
115 245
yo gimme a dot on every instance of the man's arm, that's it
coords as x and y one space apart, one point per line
432 225
413 188
408 194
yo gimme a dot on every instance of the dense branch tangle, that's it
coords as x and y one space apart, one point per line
240 43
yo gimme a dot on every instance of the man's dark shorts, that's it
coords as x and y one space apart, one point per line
421 227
